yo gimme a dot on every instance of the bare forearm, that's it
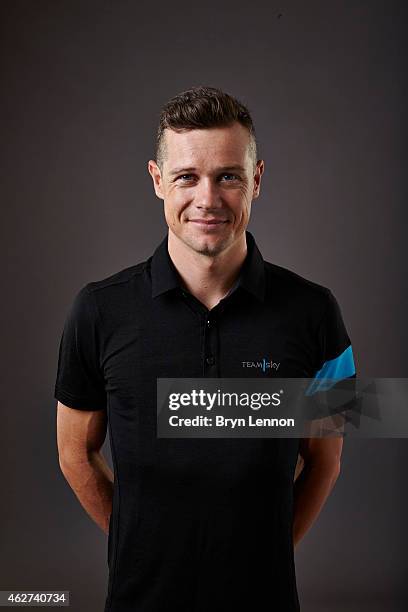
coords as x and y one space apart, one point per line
311 489
91 479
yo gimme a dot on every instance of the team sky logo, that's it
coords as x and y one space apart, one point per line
264 364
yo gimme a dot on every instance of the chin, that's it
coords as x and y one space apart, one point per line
209 247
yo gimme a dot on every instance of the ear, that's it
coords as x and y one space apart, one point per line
260 166
155 173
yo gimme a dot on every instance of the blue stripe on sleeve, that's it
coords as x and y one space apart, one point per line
335 369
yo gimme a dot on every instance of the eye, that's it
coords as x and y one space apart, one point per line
232 176
185 176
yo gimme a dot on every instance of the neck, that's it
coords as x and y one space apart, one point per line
207 278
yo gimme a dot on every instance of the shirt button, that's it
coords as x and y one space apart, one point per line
210 360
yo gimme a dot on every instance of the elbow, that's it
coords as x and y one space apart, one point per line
64 464
70 462
327 469
335 471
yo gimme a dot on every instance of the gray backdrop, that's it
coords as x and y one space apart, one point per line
82 84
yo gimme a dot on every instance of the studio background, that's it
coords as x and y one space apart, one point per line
82 85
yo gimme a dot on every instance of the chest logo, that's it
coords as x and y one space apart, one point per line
263 364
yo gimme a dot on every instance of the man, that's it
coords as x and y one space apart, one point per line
197 524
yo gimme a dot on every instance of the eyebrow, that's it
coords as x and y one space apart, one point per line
217 170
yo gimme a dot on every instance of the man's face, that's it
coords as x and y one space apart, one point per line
208 182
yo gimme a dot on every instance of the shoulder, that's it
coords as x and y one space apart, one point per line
116 293
291 286
117 279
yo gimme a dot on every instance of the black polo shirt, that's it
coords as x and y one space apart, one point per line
198 525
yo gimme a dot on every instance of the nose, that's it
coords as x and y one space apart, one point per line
207 195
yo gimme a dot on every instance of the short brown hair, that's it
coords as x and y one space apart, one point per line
198 108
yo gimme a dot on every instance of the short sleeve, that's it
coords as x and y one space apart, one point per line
336 353
336 359
79 381
335 366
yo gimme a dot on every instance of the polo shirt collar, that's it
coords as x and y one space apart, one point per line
165 276
252 275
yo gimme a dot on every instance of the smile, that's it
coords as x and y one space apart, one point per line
208 222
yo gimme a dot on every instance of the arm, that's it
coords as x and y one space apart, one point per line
321 468
80 435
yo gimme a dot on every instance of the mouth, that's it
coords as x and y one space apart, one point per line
208 222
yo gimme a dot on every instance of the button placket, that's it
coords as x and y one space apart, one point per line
210 365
